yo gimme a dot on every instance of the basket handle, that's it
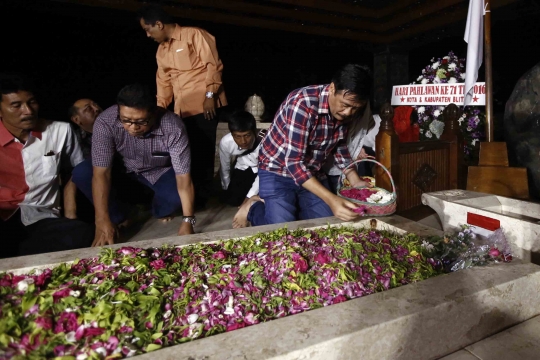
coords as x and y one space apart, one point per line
368 159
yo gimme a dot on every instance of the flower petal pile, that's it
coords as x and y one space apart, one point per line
131 300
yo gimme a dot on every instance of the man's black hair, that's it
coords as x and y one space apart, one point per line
137 96
11 83
242 121
355 80
152 13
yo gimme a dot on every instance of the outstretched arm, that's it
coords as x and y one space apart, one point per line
187 197
340 207
70 203
106 231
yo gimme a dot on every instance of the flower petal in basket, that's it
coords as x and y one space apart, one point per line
385 204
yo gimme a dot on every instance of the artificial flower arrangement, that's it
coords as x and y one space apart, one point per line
132 300
449 69
464 249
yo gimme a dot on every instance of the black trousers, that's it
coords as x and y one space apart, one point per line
202 141
241 182
46 235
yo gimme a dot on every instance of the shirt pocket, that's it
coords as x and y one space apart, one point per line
160 160
184 57
50 165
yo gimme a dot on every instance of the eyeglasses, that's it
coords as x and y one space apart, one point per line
141 122
136 123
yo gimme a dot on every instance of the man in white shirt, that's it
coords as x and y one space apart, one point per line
238 154
33 152
361 144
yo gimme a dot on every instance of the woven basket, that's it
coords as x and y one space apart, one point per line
372 209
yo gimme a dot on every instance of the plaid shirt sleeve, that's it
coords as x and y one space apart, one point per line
342 157
179 150
297 126
103 147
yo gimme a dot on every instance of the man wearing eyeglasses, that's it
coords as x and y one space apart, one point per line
155 149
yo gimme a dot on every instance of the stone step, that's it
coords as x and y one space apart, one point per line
519 342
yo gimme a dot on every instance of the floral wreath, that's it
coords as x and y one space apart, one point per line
450 69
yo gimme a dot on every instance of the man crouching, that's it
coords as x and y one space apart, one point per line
155 149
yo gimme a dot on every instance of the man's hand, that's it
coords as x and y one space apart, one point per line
343 209
363 155
185 229
362 183
209 107
106 233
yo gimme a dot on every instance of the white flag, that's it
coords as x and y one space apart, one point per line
474 37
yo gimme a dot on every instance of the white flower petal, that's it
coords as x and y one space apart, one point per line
192 318
101 350
70 337
229 311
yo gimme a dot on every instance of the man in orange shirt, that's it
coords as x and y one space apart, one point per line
189 70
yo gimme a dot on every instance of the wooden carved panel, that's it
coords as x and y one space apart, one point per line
424 177
411 164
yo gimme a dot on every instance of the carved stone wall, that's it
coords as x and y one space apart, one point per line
522 127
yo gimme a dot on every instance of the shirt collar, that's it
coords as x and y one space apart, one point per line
157 129
177 33
36 134
324 107
6 137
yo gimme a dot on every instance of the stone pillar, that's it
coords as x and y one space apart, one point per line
390 68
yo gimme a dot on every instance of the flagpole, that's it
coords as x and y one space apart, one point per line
488 69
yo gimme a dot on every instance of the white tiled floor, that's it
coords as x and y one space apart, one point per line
216 217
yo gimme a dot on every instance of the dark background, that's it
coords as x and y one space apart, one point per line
78 51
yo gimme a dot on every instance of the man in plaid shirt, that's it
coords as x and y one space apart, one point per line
310 126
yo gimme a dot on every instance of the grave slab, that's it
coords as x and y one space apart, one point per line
425 320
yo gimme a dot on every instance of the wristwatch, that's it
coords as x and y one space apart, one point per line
209 95
189 219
